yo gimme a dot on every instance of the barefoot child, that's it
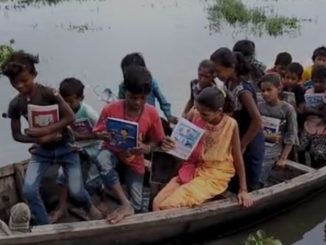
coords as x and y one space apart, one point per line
53 140
231 68
279 145
205 79
208 171
137 83
155 93
72 90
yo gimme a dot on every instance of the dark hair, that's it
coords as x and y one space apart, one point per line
318 72
283 59
320 51
215 99
295 68
135 59
71 86
137 80
207 64
246 47
18 62
227 58
273 78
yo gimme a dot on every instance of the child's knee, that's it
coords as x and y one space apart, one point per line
30 191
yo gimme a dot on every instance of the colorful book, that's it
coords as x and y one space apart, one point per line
124 133
42 116
82 126
314 100
186 136
271 126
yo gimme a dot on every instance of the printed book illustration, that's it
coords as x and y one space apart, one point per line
41 116
82 126
314 100
186 136
124 133
271 126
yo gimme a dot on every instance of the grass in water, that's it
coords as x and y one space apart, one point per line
260 238
237 14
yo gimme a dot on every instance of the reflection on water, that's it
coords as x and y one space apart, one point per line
87 39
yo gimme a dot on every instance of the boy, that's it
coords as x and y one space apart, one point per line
137 83
72 90
53 140
281 62
155 93
318 58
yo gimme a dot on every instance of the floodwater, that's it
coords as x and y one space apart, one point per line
88 38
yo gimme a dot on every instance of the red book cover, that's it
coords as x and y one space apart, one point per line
41 116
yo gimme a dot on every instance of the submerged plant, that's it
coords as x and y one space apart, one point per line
260 238
237 14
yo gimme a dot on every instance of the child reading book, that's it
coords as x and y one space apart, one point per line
205 79
155 93
280 125
137 83
208 171
72 90
53 140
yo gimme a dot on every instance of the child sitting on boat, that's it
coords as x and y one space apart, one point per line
72 90
205 79
155 93
208 171
137 84
53 139
280 134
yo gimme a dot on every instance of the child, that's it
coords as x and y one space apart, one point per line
231 68
281 62
318 58
137 83
278 145
53 140
208 171
291 83
155 93
313 137
205 79
247 49
72 90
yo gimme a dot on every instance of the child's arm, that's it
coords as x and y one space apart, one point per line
284 156
17 134
244 198
188 107
255 126
67 117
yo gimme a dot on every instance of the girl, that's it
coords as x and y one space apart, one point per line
205 79
278 145
314 133
208 171
231 68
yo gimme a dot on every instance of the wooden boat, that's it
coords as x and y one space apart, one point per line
287 186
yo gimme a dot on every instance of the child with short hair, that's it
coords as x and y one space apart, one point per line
155 94
137 83
291 83
282 60
313 137
318 58
205 79
72 91
54 141
277 145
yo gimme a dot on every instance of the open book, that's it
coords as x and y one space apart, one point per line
82 126
124 133
314 100
41 116
271 126
186 136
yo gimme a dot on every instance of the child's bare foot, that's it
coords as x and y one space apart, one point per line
56 215
120 213
94 213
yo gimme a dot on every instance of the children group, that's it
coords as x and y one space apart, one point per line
234 153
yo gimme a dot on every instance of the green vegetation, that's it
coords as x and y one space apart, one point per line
255 20
5 52
260 238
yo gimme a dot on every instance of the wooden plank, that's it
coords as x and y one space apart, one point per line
10 170
300 167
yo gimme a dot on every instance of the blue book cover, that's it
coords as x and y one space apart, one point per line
124 133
